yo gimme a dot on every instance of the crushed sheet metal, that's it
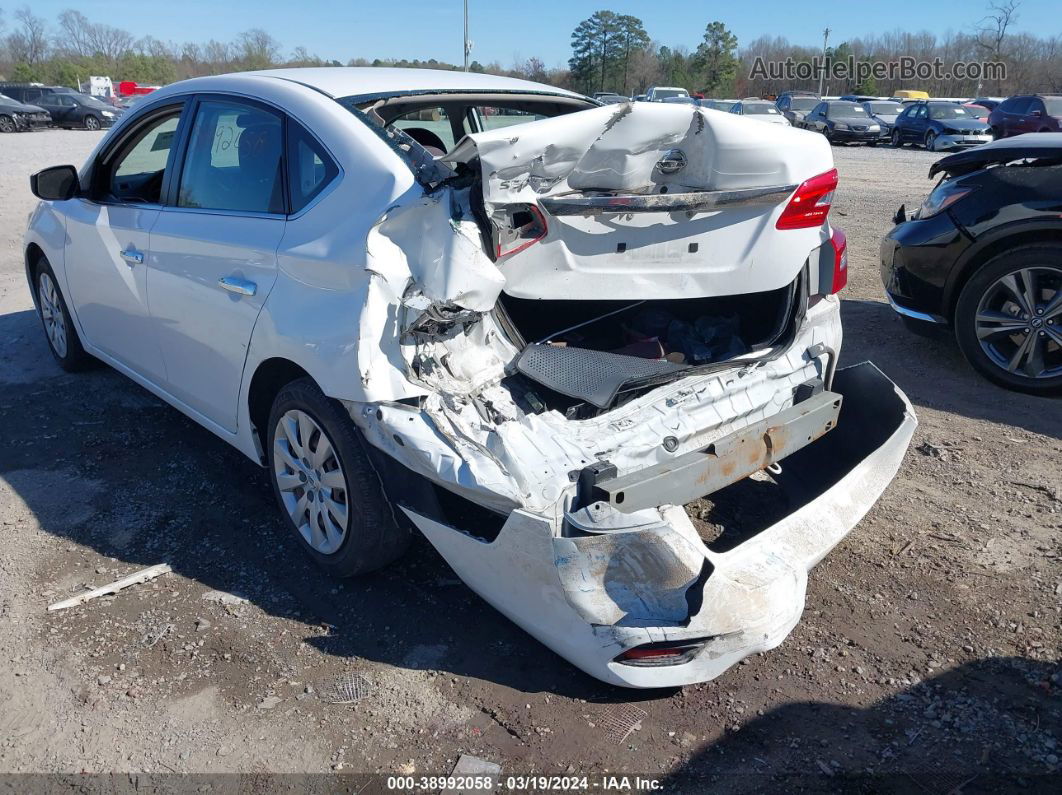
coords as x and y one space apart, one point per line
343 689
621 720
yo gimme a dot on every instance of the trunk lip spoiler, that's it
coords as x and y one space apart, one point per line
578 203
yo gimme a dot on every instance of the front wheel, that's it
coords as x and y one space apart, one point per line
328 492
7 124
895 139
931 140
59 329
997 133
92 123
1008 319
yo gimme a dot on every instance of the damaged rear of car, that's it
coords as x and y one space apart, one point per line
612 316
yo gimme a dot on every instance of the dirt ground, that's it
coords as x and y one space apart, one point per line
927 657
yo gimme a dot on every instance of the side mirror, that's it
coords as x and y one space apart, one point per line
900 216
57 183
1036 113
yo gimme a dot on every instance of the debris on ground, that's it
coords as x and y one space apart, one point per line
144 575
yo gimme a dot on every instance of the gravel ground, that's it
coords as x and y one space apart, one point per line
927 656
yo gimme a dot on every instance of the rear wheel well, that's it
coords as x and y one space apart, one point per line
271 376
994 248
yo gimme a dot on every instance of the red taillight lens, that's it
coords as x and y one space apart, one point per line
516 227
810 203
840 260
666 653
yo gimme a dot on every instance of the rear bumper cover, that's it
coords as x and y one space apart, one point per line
592 595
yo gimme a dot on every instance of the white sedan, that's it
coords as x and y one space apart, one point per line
536 329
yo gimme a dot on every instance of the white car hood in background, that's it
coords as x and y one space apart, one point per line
661 254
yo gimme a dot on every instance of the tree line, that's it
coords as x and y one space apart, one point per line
610 52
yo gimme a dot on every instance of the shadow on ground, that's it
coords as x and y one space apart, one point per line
988 726
934 374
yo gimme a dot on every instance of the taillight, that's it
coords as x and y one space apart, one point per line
840 260
810 203
516 226
665 653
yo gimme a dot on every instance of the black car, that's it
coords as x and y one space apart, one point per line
16 116
842 122
939 125
983 255
68 108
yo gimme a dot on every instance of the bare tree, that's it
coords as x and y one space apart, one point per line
992 30
29 43
257 49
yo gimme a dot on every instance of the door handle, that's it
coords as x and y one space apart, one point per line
132 257
234 284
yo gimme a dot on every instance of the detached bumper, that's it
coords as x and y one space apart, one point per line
591 594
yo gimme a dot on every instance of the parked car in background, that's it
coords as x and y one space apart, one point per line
610 98
987 102
1026 113
983 255
939 125
682 100
884 112
843 122
796 105
639 98
391 335
858 98
660 93
979 112
760 110
17 116
907 95
717 104
67 108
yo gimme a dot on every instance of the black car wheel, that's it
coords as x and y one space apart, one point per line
895 140
931 140
91 122
59 329
328 492
7 124
1008 320
997 133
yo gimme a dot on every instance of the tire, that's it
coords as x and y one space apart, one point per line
92 123
59 329
7 124
931 139
994 354
369 538
895 141
997 133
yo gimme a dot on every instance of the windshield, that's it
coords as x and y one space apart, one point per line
949 112
845 110
1053 106
664 93
759 110
803 103
885 108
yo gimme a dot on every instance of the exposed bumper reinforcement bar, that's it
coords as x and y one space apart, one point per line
726 461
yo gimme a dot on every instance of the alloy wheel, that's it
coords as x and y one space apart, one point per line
6 124
895 140
931 139
52 314
310 480
1019 322
92 123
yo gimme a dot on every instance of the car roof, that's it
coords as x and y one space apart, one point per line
346 81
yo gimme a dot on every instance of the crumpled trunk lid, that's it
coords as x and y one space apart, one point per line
646 200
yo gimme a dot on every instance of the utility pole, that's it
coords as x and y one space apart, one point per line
822 67
466 44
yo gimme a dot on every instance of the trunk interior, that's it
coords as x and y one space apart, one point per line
588 355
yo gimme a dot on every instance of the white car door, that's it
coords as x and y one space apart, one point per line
107 243
213 251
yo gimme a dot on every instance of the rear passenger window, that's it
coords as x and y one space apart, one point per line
234 159
310 169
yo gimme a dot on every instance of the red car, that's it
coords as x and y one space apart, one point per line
1026 113
978 111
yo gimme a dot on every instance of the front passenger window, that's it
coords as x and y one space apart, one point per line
234 160
136 175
